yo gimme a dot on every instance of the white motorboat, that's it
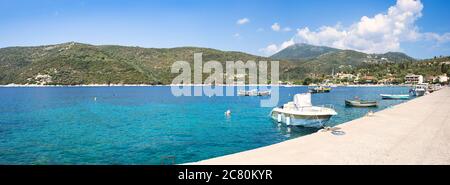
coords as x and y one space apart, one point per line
301 112
419 89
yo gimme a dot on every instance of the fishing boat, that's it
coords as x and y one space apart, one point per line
394 96
320 89
300 112
360 103
419 89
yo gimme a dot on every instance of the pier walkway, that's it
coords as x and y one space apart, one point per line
415 132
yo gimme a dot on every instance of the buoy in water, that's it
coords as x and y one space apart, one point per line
228 112
95 98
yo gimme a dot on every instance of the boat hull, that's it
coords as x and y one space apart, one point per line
300 120
319 91
351 103
394 97
418 92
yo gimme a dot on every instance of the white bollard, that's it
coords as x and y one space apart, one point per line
288 120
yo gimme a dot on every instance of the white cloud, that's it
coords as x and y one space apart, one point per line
237 35
378 34
273 48
436 37
275 27
270 49
242 21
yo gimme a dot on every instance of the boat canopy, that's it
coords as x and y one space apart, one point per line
302 100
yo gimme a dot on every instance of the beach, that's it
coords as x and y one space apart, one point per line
414 132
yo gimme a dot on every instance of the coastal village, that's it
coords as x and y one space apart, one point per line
344 79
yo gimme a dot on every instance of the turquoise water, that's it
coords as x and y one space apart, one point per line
144 125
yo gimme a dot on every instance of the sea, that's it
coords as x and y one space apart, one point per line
149 125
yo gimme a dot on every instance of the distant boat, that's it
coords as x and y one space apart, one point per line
320 89
394 96
301 112
361 103
264 93
254 92
242 93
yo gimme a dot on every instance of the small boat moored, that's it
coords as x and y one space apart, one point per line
419 89
301 112
264 93
394 96
254 92
360 103
320 89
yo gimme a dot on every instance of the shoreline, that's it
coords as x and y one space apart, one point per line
188 85
413 132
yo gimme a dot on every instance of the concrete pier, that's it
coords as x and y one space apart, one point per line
415 132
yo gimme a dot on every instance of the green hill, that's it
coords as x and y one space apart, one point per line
301 52
313 61
76 63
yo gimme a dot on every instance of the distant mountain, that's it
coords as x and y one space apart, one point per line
314 61
303 51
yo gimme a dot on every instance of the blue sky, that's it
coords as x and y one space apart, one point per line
214 24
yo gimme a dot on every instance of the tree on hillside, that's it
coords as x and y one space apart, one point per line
444 68
307 81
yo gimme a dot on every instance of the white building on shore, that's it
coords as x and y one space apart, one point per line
413 79
443 78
